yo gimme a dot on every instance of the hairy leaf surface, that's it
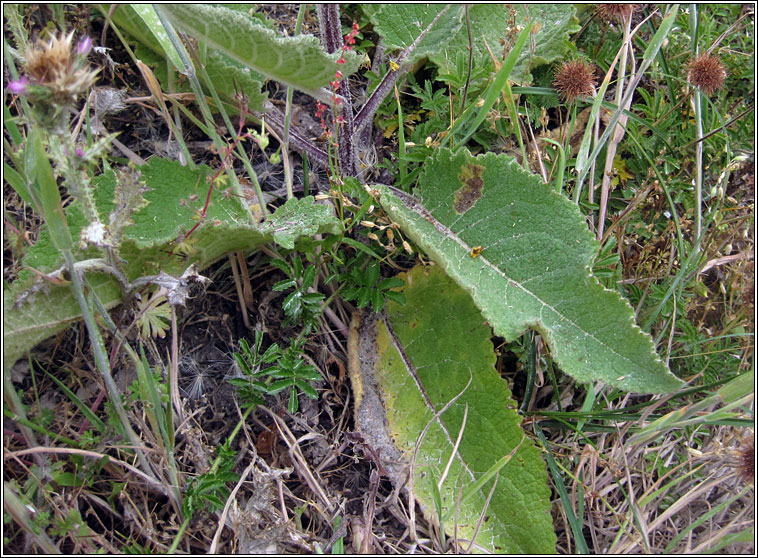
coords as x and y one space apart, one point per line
414 360
400 24
297 61
175 196
524 253
226 75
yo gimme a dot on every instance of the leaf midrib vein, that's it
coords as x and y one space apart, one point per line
443 229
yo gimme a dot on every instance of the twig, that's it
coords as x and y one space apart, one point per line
720 128
725 260
222 519
174 379
159 487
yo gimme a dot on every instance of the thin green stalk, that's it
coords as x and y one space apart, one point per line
685 269
159 99
702 519
288 115
531 372
515 122
574 522
176 122
101 360
178 538
165 423
698 108
306 175
583 157
493 91
240 150
664 186
655 45
619 129
17 407
189 70
16 509
664 66
401 162
561 164
470 57
27 424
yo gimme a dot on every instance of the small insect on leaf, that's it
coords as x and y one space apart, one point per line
476 251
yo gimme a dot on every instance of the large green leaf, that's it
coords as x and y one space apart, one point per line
175 196
524 254
414 360
226 75
296 61
400 24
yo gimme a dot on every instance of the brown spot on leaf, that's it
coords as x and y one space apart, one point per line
471 191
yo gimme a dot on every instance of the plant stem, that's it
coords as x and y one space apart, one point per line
101 360
367 112
275 121
189 70
178 538
288 115
174 368
470 57
618 130
698 109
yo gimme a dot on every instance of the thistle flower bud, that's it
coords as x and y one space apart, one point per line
18 87
616 12
84 46
706 72
574 79
58 73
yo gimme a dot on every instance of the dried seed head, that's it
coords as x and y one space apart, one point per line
573 79
59 68
616 12
706 72
746 461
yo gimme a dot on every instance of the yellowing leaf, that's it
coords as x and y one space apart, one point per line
420 386
620 172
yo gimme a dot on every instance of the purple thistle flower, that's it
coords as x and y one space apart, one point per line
79 152
85 45
18 87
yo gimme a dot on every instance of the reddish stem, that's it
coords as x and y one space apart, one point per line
227 155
